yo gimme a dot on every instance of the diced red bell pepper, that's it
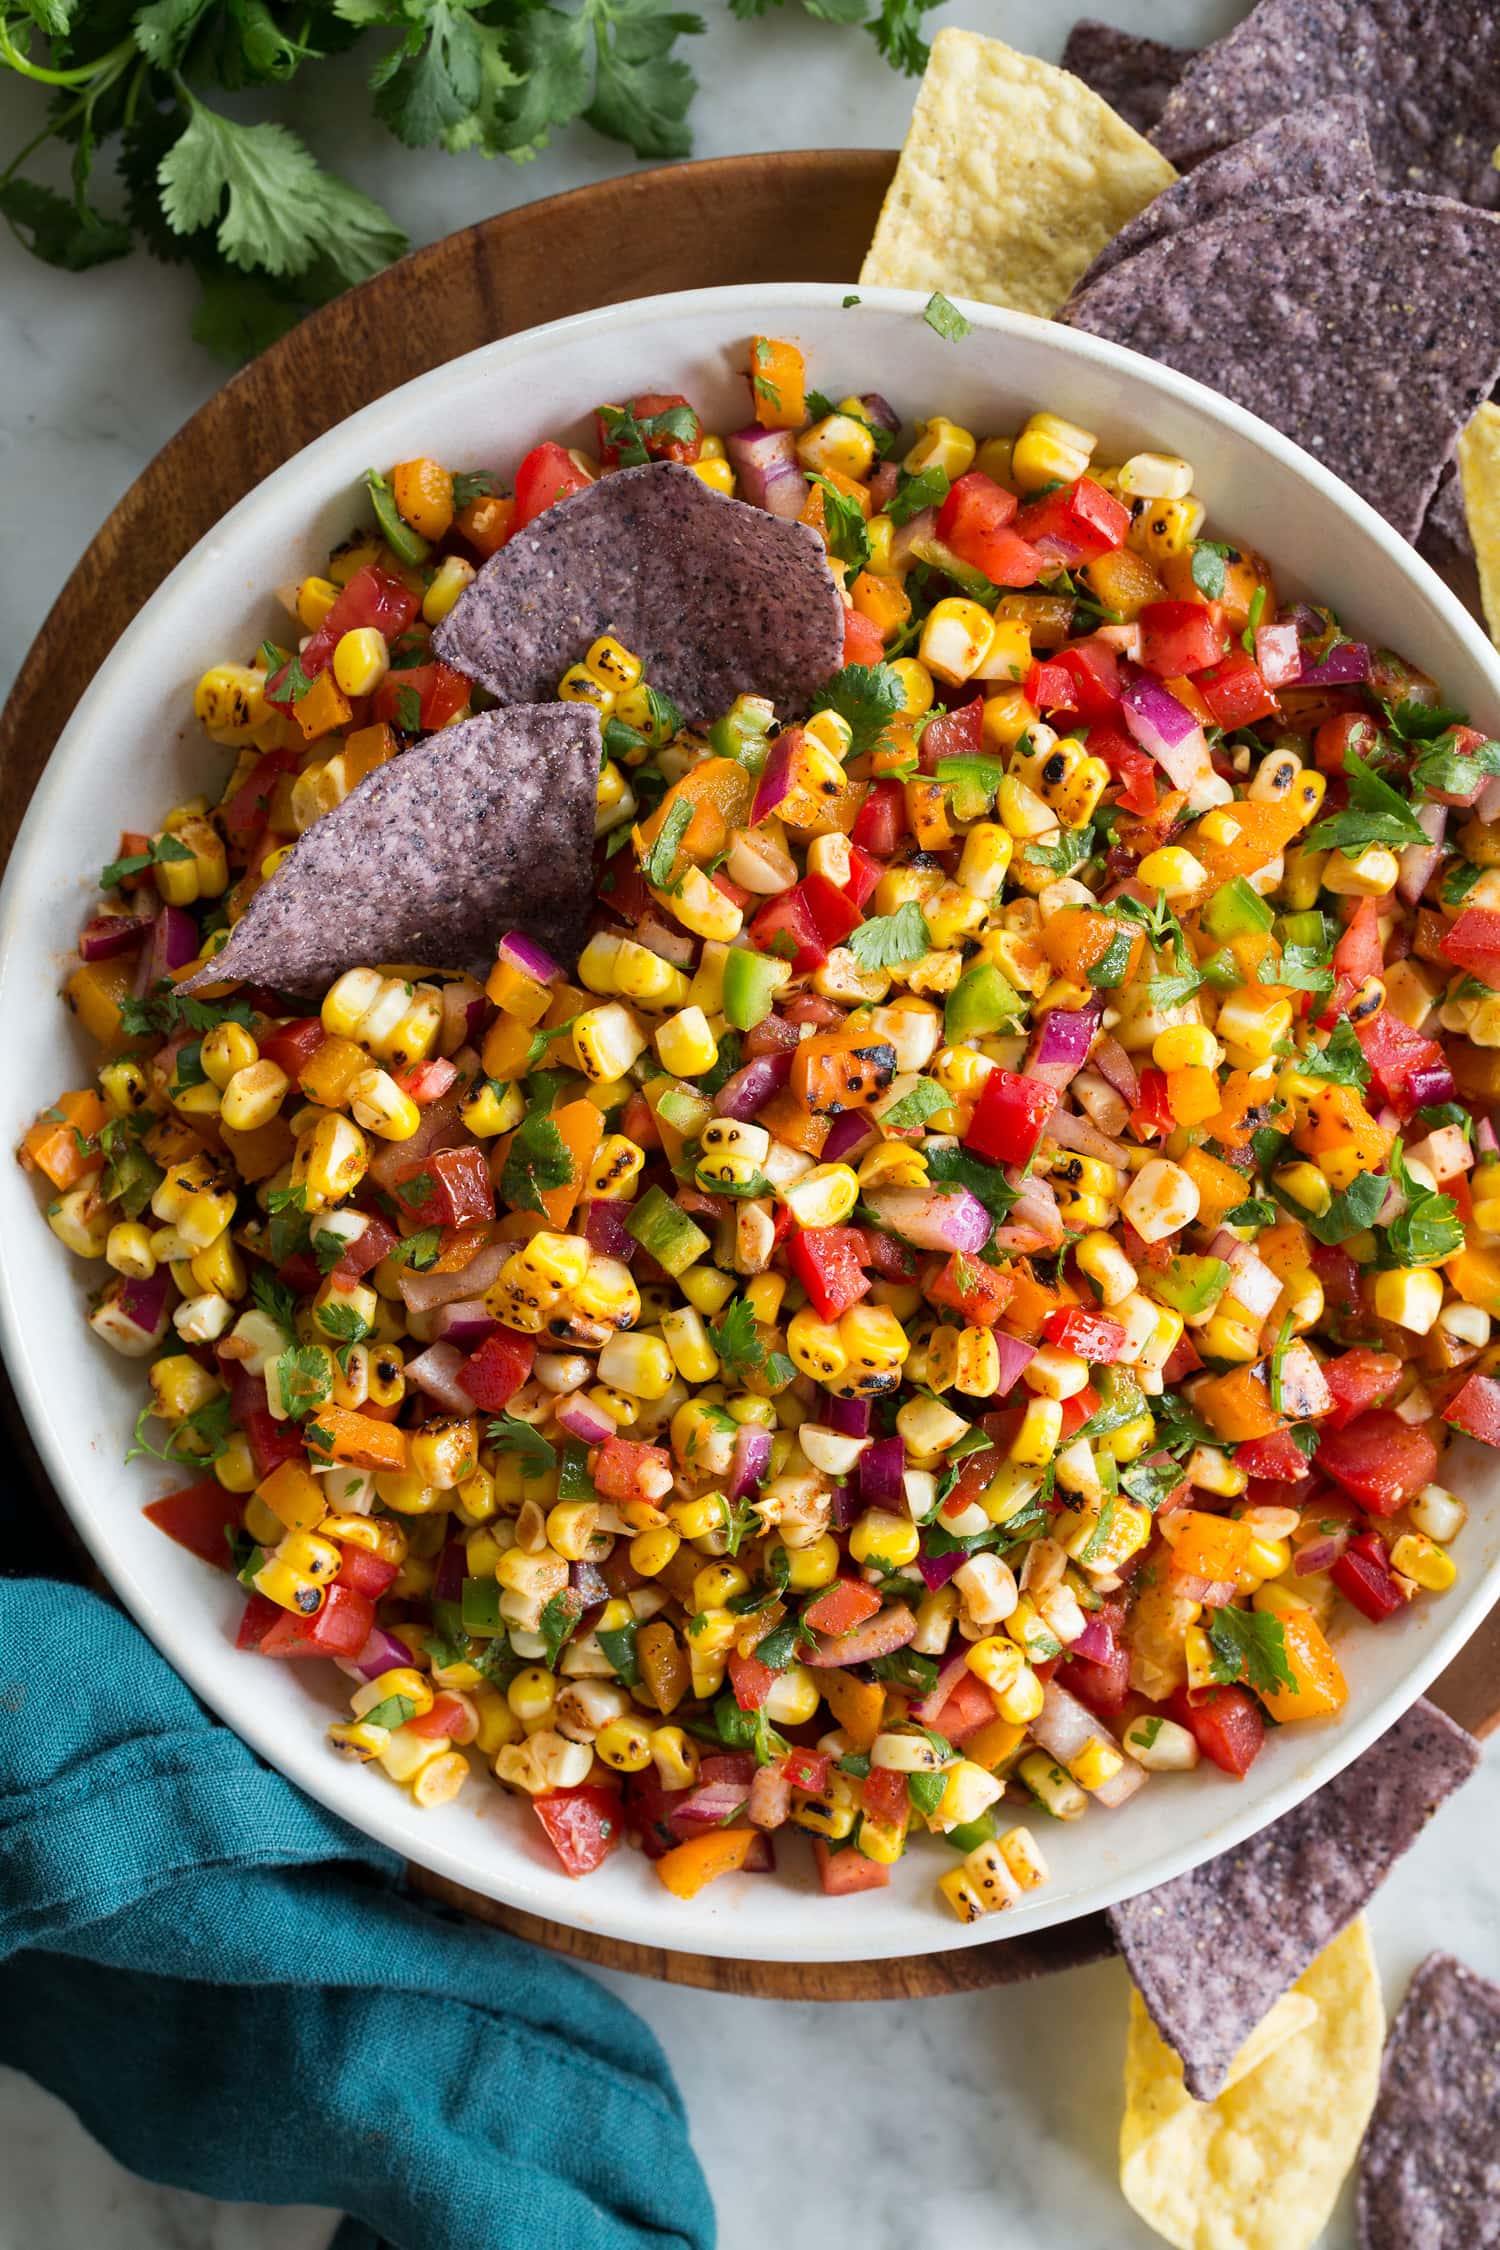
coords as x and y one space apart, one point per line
1178 638
828 1261
751 1680
1077 1410
1359 952
892 1260
291 1046
844 1872
373 597
1235 691
1084 679
864 643
244 811
1398 1057
660 446
449 1188
807 1769
1076 525
1226 1723
582 1825
340 1628
261 1613
834 912
1363 1575
1151 1118
864 873
546 475
270 1442
1475 1409
880 823
976 522
1381 1461
968 1286
441 694
1009 1117
1278 1456
786 927
1183 1360
199 1517
1088 1335
494 1373
1134 772
1358 1379
368 1574
841 1606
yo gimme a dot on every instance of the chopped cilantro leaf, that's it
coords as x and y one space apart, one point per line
891 939
946 319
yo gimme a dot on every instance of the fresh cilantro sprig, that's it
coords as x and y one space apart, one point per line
843 525
890 939
1375 814
536 1456
867 697
660 863
1249 1645
1429 1229
742 1350
536 1163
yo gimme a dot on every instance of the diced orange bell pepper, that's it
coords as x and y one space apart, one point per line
687 1867
1245 1104
486 522
96 993
665 1673
778 383
1475 1069
839 1070
993 1744
1220 1187
423 492
1030 1303
883 600
1237 1406
1321 1686
261 1151
580 1128
719 792
1261 831
1475 1274
56 1144
1077 938
1285 1248
790 1120
1208 1546
1338 1119
1190 697
927 814
858 1706
507 1044
365 749
331 1070
357 1441
317 713
1192 1094
1124 581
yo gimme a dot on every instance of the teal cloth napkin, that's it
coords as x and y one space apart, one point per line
226 1986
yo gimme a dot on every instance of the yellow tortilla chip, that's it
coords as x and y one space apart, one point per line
1260 2167
1479 466
1013 178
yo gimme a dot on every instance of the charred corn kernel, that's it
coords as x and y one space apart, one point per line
1187 1046
1306 1186
1173 871
960 1891
127 1248
706 1289
1023 812
1037 1439
810 1567
918 693
1155 476
1050 450
1075 799
1438 1514
685 1045
358 1739
717 1585
877 1535
1100 1257
253 1096
976 1370
651 1551
639 1364
401 1680
832 1813
311 1556
361 660
439 1780
675 1756
231 699
956 639
330 1161
816 1346
941 444
613 665
764 1295
1251 1021
1053 1789
607 1293
985 858
1213 1471
578 685
614 799
717 474
219 1268
1161 1200
823 1197
314 599
873 1340
1167 528
452 577
700 906
1367 874
607 1040
557 1260
625 1745
491 1109
1410 1299
382 1108
644 977
532 1696
686 1338
837 445
226 1050
203 1319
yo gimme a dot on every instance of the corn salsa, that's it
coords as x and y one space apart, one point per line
954 1305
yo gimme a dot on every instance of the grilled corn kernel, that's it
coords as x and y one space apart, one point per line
1420 1559
1368 874
918 692
956 639
607 1040
944 445
685 1044
1050 450
361 660
1410 1299
1041 1427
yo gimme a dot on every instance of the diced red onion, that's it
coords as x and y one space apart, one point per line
464 1005
710 1805
1166 730
938 1569
1014 1357
849 1416
760 1855
1109 1058
427 1292
383 1651
1192 1586
104 936
144 1303
440 1127
1278 652
1432 1084
879 412
436 1372
1060 1044
174 942
1034 1221
1486 1140
465 1323
770 1798
1344 666
1121 1786
918 530
950 1672
1097 1640
662 939
776 776
1074 1132
751 1461
1125 639
452 1570
1487 805
770 477
882 1467
848 1132
752 1086
882 482
1319 1554
1255 1286
1064 1727
881 1636
523 954
581 1418
929 1220
605 1230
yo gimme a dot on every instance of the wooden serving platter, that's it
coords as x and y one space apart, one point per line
806 215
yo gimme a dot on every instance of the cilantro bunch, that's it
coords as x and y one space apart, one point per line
267 230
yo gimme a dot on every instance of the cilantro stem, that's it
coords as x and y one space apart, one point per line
113 60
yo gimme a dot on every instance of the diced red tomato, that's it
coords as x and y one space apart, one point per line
1358 1379
340 1628
271 1442
828 1261
441 694
841 1606
880 823
787 927
864 643
953 734
1088 1335
1181 637
1135 773
976 523
619 1468
445 1717
1278 1456
1101 1681
291 1046
1151 1118
1337 736
548 474
199 1517
1381 1461
449 1188
967 1707
243 813
1011 1111
373 597
660 445
261 1613
807 1769
582 1825
427 1081
1226 1723
1235 691
1473 943
968 1286
1076 525
1475 1409
365 1252
367 1574
883 1794
1084 678
864 873
494 1372
1363 1575
1399 1058
751 1680
844 1872
834 912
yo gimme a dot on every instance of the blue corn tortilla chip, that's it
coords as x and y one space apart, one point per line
1429 71
486 827
1317 152
1212 1950
1275 307
1429 2168
716 598
1134 75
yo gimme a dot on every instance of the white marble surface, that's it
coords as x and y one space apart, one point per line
1008 2103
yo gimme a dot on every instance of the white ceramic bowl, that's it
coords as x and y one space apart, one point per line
131 750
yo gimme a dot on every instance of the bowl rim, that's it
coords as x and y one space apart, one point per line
301 1760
